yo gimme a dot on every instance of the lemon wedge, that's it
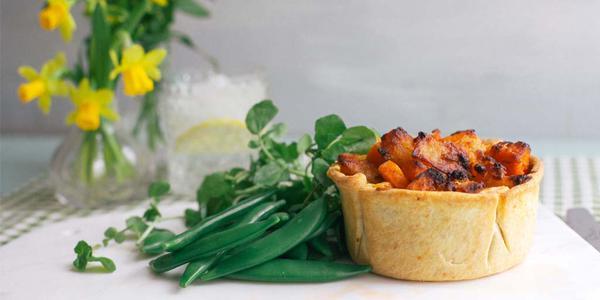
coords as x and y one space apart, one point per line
214 136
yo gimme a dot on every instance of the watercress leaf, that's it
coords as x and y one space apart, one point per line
192 217
287 152
215 205
260 115
106 262
136 225
304 143
319 170
158 189
327 129
110 232
253 144
269 174
84 252
151 214
192 7
214 185
277 130
120 237
358 139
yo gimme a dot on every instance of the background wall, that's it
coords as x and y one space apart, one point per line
507 68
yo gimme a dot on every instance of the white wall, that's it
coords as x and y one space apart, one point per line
507 68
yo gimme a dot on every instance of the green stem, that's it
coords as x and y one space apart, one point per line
135 16
114 158
280 163
87 155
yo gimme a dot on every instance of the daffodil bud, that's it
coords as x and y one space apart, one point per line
31 90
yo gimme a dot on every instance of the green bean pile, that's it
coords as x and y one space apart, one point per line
279 220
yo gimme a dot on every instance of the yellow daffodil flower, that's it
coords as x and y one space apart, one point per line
45 84
139 69
161 2
90 106
57 14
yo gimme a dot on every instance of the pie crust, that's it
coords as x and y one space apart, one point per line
438 236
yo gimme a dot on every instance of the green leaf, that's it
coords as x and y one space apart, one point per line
109 234
106 262
319 170
84 253
287 152
304 143
137 225
358 139
327 129
214 185
99 59
158 189
151 214
192 7
276 131
192 217
260 115
269 174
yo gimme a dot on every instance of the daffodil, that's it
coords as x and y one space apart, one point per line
161 2
139 69
57 14
90 106
45 84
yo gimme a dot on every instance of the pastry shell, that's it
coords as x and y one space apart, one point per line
438 236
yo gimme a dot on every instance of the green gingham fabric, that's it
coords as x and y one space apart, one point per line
568 182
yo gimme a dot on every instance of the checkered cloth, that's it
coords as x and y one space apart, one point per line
568 182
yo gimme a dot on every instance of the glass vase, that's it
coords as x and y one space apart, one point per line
98 168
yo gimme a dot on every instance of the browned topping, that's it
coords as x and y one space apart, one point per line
351 164
459 162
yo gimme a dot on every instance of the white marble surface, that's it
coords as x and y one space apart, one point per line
38 266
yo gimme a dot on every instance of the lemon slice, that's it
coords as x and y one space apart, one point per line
214 136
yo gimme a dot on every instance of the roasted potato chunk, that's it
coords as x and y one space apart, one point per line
397 146
393 174
374 156
351 164
468 141
443 156
430 180
514 156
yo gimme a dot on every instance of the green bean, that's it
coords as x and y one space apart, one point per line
262 211
300 252
321 245
288 270
213 222
196 268
274 244
214 243
329 221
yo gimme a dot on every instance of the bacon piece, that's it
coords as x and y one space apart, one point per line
393 174
351 164
374 156
514 156
443 156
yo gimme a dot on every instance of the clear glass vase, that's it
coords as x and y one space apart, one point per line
99 168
